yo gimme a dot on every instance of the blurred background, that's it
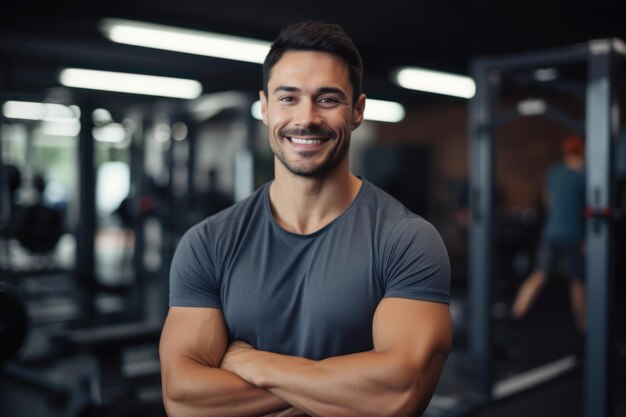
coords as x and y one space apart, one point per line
123 123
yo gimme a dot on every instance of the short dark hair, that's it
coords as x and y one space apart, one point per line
317 36
573 145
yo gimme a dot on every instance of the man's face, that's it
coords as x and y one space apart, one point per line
309 112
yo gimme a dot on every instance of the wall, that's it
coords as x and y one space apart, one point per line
525 149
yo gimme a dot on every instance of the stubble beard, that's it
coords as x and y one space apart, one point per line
311 171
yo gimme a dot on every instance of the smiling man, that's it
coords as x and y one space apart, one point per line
319 294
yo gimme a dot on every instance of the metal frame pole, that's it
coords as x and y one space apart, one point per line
481 234
85 236
137 294
601 134
5 208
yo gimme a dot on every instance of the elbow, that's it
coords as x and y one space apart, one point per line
407 403
176 405
171 395
172 408
410 402
175 398
172 401
413 391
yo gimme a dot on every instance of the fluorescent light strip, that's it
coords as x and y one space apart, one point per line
435 82
130 83
27 110
383 111
377 110
185 40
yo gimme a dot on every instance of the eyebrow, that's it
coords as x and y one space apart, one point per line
321 90
287 89
332 90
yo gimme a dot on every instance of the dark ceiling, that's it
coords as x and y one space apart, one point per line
39 38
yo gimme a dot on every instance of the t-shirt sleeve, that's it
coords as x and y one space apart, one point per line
415 262
193 281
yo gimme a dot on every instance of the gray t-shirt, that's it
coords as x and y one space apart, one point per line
312 295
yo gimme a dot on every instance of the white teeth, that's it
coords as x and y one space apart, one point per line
306 141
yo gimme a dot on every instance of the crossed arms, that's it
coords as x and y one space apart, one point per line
204 375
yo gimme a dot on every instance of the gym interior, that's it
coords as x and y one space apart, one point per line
103 170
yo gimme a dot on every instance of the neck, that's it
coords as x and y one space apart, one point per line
304 205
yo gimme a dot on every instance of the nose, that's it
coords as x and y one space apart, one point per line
307 114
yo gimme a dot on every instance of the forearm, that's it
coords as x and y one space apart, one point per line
195 389
362 384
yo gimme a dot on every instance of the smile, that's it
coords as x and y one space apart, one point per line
303 141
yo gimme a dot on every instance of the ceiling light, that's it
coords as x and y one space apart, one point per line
213 103
130 83
546 74
110 133
383 111
28 110
532 107
435 82
255 110
185 40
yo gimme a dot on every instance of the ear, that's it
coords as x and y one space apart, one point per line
357 113
263 101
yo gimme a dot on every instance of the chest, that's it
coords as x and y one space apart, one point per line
288 295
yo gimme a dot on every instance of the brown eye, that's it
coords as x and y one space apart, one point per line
328 100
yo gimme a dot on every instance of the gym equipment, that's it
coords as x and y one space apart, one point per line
14 178
38 228
13 323
111 384
602 57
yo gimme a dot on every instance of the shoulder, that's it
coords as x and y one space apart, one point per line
402 232
385 206
413 236
413 260
221 227
392 217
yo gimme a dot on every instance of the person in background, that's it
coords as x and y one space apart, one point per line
563 233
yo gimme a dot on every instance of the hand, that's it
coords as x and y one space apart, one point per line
238 345
238 360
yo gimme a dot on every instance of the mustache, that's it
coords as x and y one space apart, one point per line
313 131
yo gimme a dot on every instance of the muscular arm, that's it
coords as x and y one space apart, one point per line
411 342
192 346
